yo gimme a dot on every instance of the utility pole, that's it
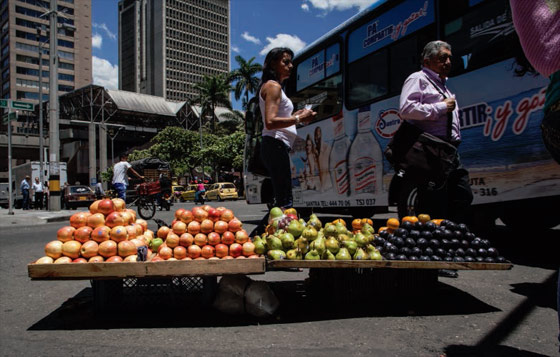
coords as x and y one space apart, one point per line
54 140
41 143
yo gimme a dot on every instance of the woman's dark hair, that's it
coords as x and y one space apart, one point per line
274 55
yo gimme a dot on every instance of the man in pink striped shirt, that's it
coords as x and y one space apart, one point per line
427 103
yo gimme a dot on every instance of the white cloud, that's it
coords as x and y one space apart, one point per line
305 7
104 27
96 41
330 5
235 49
250 38
105 74
283 40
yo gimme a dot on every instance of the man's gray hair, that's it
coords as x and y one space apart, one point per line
432 49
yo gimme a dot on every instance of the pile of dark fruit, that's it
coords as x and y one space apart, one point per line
446 242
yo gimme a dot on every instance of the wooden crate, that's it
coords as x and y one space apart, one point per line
75 271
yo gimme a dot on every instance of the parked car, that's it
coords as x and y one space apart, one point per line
189 192
77 196
222 191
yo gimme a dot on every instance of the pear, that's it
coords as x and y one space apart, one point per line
310 233
276 254
343 237
288 241
351 245
360 255
340 228
374 254
312 255
328 255
332 245
295 227
259 246
343 254
367 229
314 222
302 244
329 230
319 245
294 254
273 243
360 239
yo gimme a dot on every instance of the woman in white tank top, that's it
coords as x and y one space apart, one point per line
279 122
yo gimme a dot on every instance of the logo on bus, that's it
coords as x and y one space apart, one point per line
388 123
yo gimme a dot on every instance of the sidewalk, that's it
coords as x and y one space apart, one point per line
33 217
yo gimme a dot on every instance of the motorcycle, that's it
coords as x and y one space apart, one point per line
199 197
164 201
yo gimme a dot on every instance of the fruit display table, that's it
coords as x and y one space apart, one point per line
113 283
392 264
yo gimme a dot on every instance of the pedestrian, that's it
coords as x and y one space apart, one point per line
62 193
46 194
120 176
38 190
24 187
280 121
537 24
427 103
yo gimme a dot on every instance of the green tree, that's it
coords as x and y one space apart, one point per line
233 123
225 152
246 81
213 91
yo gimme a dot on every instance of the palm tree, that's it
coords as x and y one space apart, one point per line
247 82
214 91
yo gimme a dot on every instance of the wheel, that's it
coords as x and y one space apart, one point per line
516 214
407 203
146 208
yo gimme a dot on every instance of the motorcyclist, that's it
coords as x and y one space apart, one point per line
165 187
200 190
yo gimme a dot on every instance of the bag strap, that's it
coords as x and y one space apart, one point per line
449 114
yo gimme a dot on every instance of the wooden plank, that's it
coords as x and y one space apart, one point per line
395 264
81 271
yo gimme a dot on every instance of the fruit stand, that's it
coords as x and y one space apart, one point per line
118 253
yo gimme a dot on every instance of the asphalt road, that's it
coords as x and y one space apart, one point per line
494 313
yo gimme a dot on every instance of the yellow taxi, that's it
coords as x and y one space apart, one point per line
221 191
189 192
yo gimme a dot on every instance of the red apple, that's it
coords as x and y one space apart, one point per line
235 250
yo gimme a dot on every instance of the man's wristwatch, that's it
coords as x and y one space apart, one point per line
297 119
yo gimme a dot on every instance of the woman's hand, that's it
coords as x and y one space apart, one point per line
306 115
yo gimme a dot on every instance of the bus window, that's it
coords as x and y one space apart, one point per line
367 79
405 59
310 87
482 36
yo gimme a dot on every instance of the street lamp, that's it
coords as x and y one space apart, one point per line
112 136
41 143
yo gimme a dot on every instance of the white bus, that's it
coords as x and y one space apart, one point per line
353 77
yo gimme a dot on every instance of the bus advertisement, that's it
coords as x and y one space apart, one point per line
353 76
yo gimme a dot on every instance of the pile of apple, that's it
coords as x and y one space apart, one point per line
202 233
109 232
288 237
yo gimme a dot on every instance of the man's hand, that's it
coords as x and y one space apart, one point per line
450 102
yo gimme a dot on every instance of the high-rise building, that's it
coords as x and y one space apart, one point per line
25 33
166 46
21 40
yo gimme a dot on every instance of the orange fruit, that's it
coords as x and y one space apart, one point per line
437 221
393 223
411 219
357 224
368 221
339 220
423 217
382 229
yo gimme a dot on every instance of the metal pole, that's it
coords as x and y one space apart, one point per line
42 151
54 141
10 190
200 130
103 138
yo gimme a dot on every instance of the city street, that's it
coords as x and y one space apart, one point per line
494 313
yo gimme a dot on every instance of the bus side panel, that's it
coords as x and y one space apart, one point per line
501 145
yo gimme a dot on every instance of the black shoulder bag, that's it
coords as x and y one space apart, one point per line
423 156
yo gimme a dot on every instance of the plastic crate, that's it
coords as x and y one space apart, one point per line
149 188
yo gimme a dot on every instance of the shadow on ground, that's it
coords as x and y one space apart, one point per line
78 313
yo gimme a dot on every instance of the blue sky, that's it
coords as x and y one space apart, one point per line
256 26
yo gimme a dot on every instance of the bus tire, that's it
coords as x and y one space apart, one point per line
407 199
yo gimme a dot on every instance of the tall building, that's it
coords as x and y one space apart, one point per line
166 46
20 45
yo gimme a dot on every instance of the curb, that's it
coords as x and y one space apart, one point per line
56 219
